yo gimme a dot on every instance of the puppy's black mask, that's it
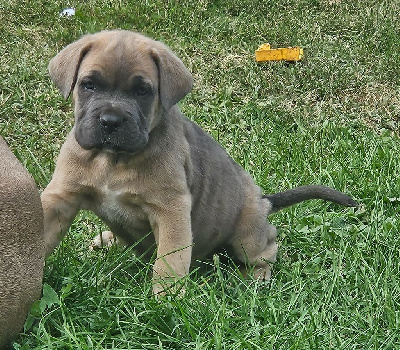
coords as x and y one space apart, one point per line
113 117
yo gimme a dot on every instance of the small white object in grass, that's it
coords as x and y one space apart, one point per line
68 12
105 239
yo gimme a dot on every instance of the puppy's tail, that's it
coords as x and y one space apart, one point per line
296 195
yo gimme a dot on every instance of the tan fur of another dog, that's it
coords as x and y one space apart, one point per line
21 245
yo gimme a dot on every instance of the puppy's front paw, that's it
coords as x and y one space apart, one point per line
105 239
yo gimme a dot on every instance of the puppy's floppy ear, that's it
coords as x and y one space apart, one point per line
175 81
64 67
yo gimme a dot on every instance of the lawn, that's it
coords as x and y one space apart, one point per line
332 119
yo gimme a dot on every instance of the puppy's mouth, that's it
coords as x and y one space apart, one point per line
112 144
109 146
128 137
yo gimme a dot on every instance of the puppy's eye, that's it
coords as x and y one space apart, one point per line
141 86
88 85
142 90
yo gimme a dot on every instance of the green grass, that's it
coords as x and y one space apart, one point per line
332 119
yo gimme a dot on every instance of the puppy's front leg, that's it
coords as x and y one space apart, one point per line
60 208
173 235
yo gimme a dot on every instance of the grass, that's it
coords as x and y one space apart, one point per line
331 119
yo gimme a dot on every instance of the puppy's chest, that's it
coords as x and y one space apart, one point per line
118 204
116 198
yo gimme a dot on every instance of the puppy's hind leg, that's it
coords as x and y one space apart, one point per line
254 241
258 249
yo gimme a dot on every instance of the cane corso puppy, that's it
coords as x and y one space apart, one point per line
140 165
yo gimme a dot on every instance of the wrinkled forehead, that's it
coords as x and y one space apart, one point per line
120 59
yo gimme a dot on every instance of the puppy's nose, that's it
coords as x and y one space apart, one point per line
111 121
